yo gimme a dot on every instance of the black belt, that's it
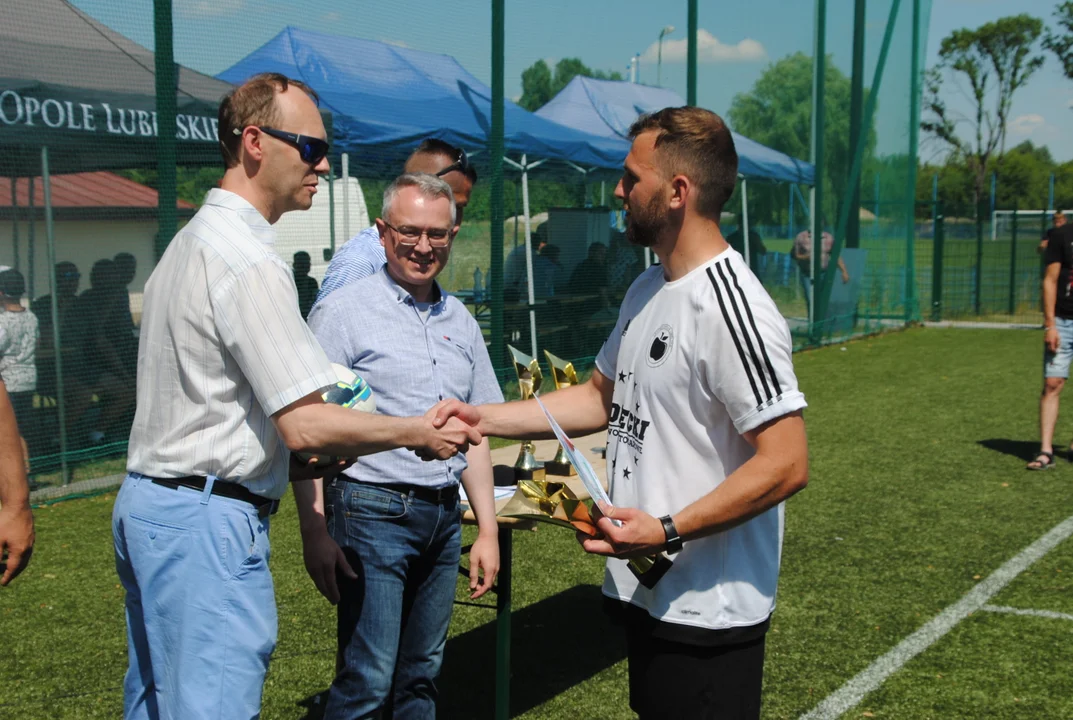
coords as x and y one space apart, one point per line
439 496
265 506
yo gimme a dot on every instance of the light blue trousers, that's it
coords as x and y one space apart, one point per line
200 606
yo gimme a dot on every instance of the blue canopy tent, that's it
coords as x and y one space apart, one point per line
608 108
386 99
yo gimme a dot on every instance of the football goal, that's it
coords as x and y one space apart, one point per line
1030 223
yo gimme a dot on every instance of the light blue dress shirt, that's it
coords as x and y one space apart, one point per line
358 258
411 361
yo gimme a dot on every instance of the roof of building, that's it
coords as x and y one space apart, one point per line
85 190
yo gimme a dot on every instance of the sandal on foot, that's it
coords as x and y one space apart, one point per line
1043 461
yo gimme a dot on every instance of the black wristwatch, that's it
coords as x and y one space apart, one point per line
674 540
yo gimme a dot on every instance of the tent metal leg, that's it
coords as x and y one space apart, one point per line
346 197
15 222
745 221
31 238
331 209
529 257
50 234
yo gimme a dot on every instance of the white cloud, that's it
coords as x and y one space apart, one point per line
1025 125
332 18
207 8
709 49
396 43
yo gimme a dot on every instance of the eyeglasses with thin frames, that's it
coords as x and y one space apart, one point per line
410 236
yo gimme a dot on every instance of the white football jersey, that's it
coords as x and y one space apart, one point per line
696 363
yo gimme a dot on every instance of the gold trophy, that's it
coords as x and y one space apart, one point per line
560 503
564 375
526 467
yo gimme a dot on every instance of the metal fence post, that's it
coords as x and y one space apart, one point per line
166 109
977 281
1013 264
496 202
691 52
938 241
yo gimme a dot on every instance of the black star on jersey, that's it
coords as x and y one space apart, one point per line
622 377
626 473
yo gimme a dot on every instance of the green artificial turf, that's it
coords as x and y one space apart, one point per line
918 441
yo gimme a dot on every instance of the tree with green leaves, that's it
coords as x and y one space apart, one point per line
539 85
996 60
777 112
1061 42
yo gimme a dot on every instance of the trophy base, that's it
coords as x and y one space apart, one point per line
563 469
648 570
536 473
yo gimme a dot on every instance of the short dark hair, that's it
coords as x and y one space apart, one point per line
252 103
12 284
438 148
696 143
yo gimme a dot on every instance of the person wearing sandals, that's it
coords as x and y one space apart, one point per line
1057 337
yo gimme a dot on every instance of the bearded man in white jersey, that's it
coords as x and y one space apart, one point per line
705 435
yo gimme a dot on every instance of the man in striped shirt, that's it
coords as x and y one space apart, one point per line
229 381
705 435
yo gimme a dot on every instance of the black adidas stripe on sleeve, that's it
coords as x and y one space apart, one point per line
743 329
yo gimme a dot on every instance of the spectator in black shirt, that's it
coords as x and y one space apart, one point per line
1059 221
126 266
307 286
1057 338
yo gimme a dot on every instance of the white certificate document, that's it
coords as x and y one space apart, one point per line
581 464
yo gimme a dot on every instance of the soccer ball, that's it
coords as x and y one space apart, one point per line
349 391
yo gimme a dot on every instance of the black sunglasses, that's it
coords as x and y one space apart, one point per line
312 150
461 164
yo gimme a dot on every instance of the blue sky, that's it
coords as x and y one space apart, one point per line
737 41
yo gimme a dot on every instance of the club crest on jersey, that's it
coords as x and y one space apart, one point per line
661 347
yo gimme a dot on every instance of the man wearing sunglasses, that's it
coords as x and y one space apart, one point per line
396 517
229 381
363 255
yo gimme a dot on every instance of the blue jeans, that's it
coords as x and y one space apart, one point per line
201 610
393 619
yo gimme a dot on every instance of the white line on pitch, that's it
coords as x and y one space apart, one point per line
875 674
1023 611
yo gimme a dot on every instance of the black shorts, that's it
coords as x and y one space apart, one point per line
687 681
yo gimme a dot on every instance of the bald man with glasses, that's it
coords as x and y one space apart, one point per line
229 384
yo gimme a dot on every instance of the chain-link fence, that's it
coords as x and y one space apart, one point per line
91 190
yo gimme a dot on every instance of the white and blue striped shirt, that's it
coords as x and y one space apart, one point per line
410 360
358 258
222 348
